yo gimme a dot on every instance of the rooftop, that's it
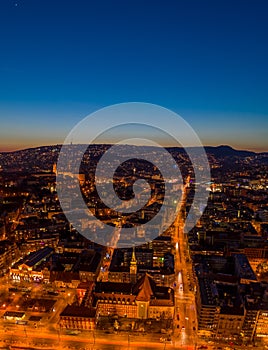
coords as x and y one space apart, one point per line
78 311
34 258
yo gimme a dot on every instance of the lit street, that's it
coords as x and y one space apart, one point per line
185 313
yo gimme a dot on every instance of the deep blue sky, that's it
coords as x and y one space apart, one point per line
62 59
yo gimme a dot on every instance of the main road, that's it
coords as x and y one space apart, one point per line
185 323
19 338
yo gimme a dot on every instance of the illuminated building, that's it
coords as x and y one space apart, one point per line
262 323
123 270
27 269
9 252
143 300
78 317
256 304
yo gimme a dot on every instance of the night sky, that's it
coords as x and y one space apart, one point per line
205 60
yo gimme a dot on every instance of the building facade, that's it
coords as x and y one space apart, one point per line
141 300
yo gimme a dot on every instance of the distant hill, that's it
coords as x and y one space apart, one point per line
222 150
42 158
227 151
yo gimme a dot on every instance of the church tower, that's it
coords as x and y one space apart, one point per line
54 168
133 267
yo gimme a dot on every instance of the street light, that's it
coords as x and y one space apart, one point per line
94 337
128 340
58 335
25 331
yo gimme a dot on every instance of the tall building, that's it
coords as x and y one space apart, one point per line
133 267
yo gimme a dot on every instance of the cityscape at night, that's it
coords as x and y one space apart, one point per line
206 287
133 175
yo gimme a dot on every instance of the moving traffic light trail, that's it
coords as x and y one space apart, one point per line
185 312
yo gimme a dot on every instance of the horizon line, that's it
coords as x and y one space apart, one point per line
254 150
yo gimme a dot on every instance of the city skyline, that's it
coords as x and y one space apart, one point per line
133 174
206 62
203 287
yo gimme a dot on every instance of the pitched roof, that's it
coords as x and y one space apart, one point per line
144 288
33 258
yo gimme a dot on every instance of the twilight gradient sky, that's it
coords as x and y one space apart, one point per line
62 59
